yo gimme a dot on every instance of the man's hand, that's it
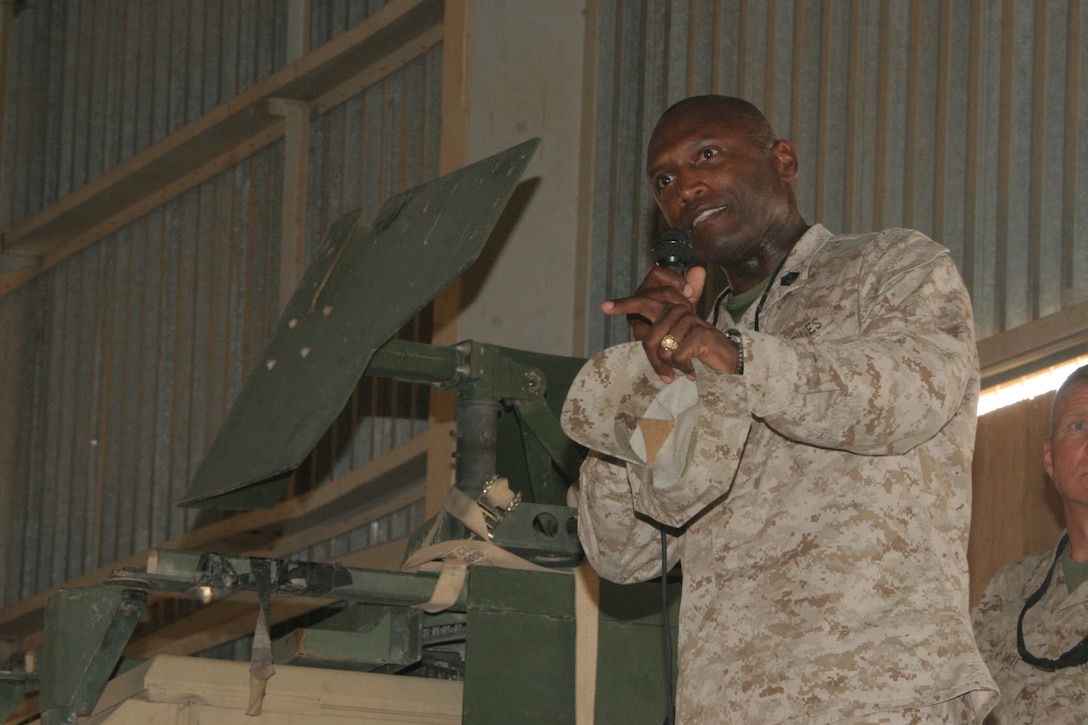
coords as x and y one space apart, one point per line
664 306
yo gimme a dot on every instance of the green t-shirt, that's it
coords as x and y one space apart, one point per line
737 305
1076 572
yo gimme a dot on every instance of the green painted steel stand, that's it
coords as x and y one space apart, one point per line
85 632
13 690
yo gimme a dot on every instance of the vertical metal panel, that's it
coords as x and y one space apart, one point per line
128 362
19 335
827 165
332 17
1075 198
10 387
28 458
624 121
960 119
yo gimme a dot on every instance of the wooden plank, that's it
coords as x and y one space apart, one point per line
186 689
370 75
1014 510
456 48
144 174
5 60
1023 345
995 499
324 527
400 31
296 158
298 29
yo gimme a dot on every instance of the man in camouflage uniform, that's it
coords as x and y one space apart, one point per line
811 463
1045 679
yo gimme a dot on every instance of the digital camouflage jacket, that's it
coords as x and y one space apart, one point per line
1051 627
821 500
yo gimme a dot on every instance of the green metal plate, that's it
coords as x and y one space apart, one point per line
631 668
519 654
363 638
85 632
12 693
519 657
363 286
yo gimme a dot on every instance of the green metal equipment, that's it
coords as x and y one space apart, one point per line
508 634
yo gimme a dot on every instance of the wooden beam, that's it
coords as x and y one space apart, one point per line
5 70
453 155
296 158
298 29
385 41
79 238
173 689
1020 347
586 189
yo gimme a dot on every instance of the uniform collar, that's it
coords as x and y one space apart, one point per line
791 275
1073 657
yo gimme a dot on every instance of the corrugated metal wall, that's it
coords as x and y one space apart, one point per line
94 83
133 349
959 118
117 366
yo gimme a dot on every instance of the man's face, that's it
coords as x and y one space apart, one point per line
713 179
1066 452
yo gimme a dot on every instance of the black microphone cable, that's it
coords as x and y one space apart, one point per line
675 250
670 696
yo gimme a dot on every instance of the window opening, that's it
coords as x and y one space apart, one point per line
1029 386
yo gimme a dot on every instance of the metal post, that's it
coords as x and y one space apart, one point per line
477 422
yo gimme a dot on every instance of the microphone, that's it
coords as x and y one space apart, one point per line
673 249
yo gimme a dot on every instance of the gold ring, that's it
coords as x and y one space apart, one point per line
669 342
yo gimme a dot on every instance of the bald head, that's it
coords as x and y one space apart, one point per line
738 112
1076 379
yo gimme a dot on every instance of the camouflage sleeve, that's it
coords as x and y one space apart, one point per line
994 617
990 616
884 388
619 545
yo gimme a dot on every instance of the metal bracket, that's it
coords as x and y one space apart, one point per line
85 632
543 534
496 502
13 686
361 637
180 571
14 262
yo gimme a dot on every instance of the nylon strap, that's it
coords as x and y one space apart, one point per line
587 602
451 559
260 666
